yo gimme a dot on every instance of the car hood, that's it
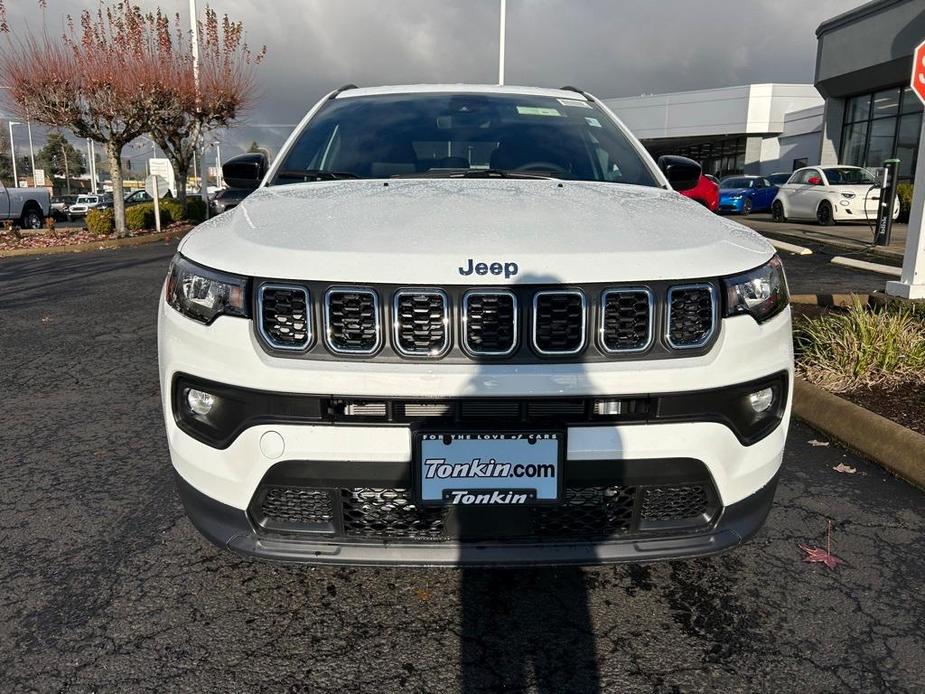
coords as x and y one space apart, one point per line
424 231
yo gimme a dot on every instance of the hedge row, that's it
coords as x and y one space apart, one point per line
138 217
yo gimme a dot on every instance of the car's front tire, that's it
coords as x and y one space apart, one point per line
746 207
824 214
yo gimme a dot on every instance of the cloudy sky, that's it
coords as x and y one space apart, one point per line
608 47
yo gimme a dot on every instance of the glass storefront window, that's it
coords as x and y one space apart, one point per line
886 103
881 126
854 144
907 139
858 108
880 147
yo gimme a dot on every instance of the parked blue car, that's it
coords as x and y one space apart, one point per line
746 194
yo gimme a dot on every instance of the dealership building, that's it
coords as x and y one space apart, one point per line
858 111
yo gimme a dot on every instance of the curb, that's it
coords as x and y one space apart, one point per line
846 244
864 265
840 300
890 445
96 245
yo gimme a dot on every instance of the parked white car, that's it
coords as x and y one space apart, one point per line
85 203
460 324
829 194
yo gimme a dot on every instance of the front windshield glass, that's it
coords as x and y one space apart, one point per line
738 183
445 135
849 177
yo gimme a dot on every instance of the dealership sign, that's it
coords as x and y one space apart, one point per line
918 72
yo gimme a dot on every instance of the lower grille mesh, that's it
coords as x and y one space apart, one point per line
587 513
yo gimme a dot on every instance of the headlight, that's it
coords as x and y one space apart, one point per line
734 196
850 196
761 293
204 294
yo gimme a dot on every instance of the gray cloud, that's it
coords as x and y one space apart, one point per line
609 47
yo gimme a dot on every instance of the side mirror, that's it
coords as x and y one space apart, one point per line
682 173
245 171
814 181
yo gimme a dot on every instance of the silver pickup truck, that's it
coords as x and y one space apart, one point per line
26 206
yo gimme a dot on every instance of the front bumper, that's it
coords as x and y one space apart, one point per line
734 205
219 485
231 528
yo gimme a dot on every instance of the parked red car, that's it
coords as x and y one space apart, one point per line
706 192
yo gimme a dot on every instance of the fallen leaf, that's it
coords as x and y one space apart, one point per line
841 467
822 556
813 442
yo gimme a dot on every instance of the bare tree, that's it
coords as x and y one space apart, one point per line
224 89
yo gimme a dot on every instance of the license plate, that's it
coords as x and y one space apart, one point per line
489 469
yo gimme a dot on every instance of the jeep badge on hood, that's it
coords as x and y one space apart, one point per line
495 268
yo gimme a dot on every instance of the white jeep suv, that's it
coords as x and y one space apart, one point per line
473 325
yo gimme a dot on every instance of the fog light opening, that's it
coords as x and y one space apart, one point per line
761 400
199 401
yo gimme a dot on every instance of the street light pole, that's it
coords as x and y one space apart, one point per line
13 155
501 43
31 150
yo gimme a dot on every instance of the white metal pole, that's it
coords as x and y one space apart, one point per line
501 43
219 181
13 156
204 166
31 150
911 284
90 167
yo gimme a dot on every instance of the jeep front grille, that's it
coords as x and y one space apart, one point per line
352 321
626 320
559 324
490 322
283 316
421 322
691 315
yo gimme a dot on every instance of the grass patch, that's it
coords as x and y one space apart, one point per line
844 350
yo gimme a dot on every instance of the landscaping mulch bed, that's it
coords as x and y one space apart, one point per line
904 405
70 237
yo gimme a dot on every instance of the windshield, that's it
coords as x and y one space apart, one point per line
83 199
836 176
738 183
441 135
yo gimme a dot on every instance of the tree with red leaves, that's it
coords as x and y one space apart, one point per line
223 92
120 73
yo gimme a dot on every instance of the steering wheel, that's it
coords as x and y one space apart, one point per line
542 166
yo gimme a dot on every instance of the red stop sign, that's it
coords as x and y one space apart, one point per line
918 72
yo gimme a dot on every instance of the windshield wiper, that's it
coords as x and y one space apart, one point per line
315 175
476 173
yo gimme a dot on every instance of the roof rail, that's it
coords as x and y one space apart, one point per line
570 88
341 89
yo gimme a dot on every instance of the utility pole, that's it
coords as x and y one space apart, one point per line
67 173
203 164
31 150
13 154
501 43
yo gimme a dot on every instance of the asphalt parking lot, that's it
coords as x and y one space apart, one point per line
108 588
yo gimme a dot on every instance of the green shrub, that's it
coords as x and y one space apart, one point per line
195 209
904 193
139 217
101 222
862 347
173 207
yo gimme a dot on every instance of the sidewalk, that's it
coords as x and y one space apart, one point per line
850 235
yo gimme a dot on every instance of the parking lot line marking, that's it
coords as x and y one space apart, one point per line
865 265
790 247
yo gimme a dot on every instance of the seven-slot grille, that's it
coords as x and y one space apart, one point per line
691 315
284 320
421 322
490 320
559 322
352 320
626 320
